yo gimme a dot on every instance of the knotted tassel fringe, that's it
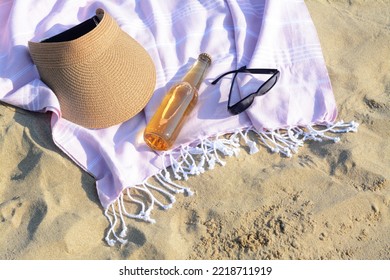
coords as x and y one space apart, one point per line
193 160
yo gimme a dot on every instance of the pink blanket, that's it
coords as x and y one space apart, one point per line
256 33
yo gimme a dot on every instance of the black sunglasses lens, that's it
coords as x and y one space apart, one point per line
242 105
268 85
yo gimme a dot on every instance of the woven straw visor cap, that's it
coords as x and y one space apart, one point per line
101 75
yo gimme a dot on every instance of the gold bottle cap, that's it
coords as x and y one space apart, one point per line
205 57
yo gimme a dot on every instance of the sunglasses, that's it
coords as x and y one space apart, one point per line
246 102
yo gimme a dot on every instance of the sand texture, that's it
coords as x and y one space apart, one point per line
329 201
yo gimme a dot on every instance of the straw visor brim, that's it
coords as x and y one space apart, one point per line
101 79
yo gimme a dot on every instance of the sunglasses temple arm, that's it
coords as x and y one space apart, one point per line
262 71
223 75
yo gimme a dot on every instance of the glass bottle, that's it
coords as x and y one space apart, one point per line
164 127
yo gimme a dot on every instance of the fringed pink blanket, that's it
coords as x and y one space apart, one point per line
256 33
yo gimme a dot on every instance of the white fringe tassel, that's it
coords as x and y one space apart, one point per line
194 160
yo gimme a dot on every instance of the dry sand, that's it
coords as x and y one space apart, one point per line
330 201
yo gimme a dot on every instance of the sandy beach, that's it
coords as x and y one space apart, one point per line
329 201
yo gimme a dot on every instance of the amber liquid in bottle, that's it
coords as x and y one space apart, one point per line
164 127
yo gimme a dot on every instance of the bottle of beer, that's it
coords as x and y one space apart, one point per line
164 127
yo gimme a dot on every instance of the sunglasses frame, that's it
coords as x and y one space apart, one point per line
247 101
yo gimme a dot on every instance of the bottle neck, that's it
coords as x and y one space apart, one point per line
197 72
